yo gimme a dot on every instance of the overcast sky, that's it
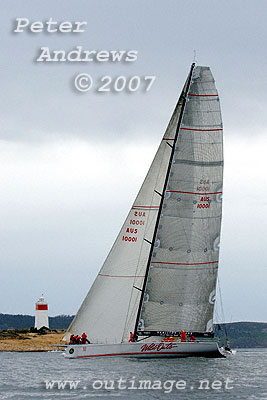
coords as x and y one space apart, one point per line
72 163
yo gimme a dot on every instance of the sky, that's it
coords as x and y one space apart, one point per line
71 163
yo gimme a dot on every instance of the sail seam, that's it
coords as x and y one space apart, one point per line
162 262
145 207
200 163
202 95
201 194
123 276
201 130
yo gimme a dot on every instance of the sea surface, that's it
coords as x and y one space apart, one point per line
49 376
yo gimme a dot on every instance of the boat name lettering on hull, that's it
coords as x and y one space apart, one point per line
157 347
139 214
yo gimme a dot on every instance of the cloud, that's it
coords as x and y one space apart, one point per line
64 203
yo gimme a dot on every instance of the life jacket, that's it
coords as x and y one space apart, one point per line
84 337
131 337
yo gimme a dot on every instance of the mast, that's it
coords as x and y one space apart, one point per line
162 197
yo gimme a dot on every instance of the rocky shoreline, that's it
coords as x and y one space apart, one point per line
25 341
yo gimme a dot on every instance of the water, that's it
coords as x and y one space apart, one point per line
23 376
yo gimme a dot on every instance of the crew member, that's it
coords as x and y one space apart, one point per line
192 338
84 338
131 337
71 339
183 336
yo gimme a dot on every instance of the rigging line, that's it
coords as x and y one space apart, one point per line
221 305
217 319
218 316
184 97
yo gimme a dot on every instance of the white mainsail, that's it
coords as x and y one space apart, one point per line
181 282
109 310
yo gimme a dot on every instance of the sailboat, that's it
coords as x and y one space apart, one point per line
160 276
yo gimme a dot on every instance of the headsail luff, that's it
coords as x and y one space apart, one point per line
109 310
181 284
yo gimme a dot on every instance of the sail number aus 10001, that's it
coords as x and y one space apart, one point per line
134 231
202 203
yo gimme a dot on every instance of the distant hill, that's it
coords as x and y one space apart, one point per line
9 321
241 334
244 334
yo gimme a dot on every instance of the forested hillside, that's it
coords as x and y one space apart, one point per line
9 321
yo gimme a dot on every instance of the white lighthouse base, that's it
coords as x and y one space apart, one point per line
41 319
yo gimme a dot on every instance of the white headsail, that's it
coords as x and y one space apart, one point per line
109 310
